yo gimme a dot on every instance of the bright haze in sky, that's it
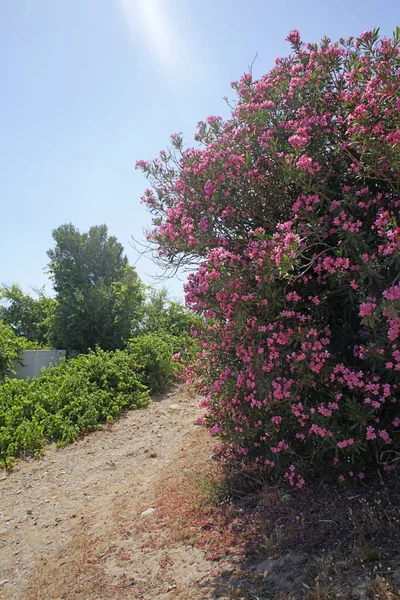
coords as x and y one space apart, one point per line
91 86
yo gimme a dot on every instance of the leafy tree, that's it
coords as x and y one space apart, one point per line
99 295
29 317
164 315
290 210
175 324
11 347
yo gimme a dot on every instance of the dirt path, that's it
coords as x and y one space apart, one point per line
69 521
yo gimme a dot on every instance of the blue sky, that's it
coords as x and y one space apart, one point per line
91 86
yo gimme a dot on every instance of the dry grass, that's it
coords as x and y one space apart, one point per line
381 589
348 536
81 576
320 579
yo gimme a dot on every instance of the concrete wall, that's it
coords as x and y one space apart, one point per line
31 362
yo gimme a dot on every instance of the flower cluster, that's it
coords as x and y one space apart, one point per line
289 211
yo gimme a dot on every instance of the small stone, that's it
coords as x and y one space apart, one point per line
264 566
286 499
4 581
174 407
147 512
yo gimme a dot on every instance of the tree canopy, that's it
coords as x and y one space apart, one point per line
99 295
28 317
11 347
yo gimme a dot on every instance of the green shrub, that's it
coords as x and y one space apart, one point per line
11 347
66 401
173 323
290 210
80 394
152 356
184 348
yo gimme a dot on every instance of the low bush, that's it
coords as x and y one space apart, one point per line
80 394
173 323
184 348
152 357
66 401
11 347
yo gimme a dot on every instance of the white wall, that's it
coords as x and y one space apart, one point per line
31 362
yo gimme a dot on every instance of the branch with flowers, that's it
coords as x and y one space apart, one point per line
288 212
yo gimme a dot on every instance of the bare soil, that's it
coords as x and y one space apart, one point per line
71 525
72 528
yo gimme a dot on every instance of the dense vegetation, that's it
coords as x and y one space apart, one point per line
66 401
133 340
29 317
11 347
99 296
289 214
81 393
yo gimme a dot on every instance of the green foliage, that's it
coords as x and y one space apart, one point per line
100 303
66 401
290 210
29 317
99 295
152 356
165 344
11 347
174 323
161 314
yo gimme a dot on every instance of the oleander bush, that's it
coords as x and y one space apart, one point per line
288 212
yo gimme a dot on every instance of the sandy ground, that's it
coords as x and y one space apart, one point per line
71 525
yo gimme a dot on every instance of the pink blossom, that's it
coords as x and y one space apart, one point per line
366 309
294 37
298 141
306 163
345 443
287 216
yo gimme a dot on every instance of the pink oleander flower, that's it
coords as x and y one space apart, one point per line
366 309
345 443
286 215
306 163
294 37
298 141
